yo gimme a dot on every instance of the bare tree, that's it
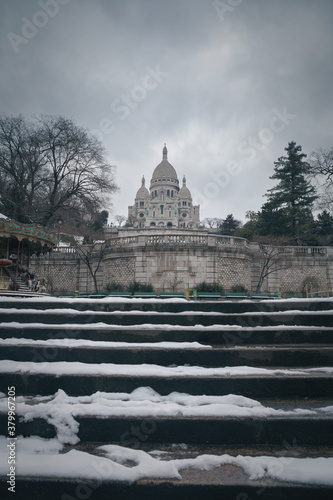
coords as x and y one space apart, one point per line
271 259
321 168
211 222
174 281
120 219
77 167
321 163
92 256
51 166
22 168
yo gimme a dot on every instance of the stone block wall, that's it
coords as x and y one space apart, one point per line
118 269
299 274
232 272
178 261
61 272
173 269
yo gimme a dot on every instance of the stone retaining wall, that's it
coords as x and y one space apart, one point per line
173 261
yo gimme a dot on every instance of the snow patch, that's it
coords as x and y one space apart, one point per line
147 370
72 343
41 458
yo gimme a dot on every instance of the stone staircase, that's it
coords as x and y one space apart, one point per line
20 284
184 382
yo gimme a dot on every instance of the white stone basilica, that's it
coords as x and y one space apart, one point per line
165 205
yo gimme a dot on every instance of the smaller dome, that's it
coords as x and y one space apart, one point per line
143 191
184 192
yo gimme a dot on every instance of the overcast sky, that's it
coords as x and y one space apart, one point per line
226 84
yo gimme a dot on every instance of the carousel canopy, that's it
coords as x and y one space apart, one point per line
11 229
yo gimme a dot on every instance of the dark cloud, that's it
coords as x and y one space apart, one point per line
210 81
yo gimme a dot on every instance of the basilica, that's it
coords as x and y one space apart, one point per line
165 204
164 245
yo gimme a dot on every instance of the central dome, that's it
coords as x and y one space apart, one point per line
164 171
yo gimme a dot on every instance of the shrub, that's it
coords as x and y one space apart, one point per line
136 286
239 289
114 287
209 287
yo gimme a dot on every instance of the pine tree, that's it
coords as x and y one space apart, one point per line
229 225
293 196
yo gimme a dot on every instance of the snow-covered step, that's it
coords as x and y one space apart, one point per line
226 335
227 420
108 304
103 471
82 378
186 318
116 387
164 353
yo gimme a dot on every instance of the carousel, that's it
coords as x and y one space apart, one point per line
18 242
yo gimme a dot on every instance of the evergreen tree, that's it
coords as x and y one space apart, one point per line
250 228
324 224
229 225
272 221
292 198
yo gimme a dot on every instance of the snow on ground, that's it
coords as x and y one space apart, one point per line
146 370
91 300
133 300
73 343
61 409
75 312
41 457
151 326
45 458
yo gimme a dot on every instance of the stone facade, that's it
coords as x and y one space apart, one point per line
119 270
174 259
233 272
60 270
165 205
